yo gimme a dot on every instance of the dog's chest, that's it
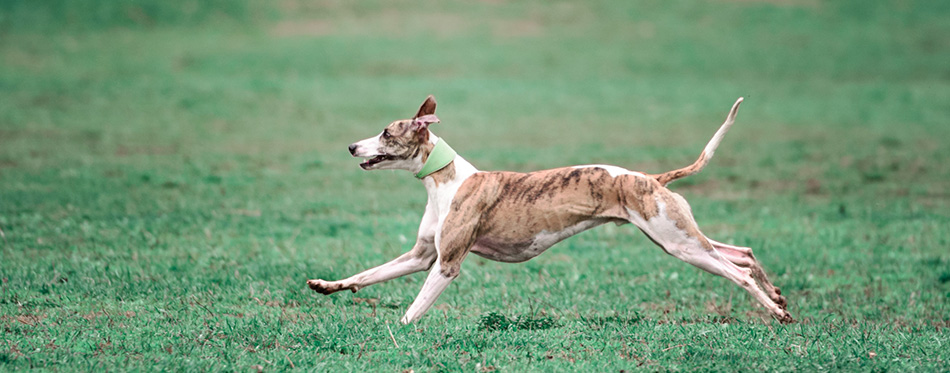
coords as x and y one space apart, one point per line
522 215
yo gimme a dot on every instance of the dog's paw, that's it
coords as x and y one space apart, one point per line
323 287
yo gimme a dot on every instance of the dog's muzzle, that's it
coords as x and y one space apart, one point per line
370 161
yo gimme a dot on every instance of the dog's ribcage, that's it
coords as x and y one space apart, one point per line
522 214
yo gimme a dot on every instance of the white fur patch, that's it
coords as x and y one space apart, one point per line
663 230
545 239
614 171
367 147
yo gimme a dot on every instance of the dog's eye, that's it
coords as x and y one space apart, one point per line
386 134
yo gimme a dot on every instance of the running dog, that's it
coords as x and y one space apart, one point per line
512 217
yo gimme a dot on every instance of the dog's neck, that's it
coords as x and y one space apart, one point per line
436 157
442 184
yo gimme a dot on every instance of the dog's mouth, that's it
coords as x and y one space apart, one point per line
374 160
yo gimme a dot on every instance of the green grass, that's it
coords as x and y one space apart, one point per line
172 174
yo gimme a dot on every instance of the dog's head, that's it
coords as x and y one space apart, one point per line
402 145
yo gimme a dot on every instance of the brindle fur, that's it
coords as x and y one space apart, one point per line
513 217
404 143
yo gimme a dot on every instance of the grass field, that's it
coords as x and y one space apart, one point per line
172 173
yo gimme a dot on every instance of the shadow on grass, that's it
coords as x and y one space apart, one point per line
496 321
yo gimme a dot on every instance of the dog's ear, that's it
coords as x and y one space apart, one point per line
427 108
421 123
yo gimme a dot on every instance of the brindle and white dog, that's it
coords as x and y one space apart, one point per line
513 217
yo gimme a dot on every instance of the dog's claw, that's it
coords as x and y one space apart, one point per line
786 319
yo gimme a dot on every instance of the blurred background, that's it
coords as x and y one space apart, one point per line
158 152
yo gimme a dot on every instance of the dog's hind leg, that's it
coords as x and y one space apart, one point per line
710 260
742 257
675 230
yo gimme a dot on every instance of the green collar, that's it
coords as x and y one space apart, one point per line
442 154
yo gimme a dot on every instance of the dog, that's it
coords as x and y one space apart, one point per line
513 217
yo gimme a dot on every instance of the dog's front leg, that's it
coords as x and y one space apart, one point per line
458 235
418 259
433 287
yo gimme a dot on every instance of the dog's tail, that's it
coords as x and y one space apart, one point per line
706 155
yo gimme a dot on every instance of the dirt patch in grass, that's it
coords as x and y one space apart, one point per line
813 4
31 320
126 151
402 23
517 28
95 315
309 27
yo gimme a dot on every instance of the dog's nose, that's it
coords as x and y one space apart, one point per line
353 149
